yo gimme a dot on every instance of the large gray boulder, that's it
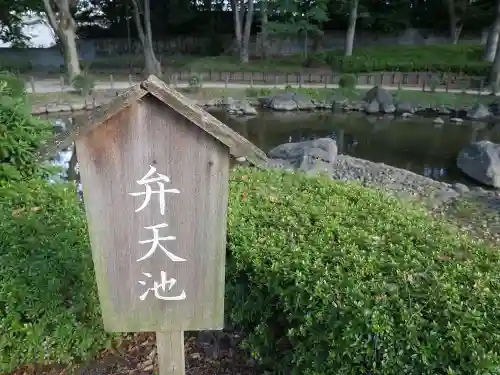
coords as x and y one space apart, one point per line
372 107
404 107
481 162
478 112
312 156
381 98
288 101
241 107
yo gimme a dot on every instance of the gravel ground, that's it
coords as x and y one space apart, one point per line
475 210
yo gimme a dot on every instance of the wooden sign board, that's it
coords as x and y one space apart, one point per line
154 169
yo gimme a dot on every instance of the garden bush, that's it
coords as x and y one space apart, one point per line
16 65
20 136
84 83
348 81
461 58
335 278
11 85
49 312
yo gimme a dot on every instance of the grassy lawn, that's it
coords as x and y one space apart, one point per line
414 97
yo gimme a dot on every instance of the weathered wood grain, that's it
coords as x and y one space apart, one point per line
170 347
112 157
238 145
87 121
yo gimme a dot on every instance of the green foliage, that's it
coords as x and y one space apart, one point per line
20 136
11 85
329 277
460 58
252 92
348 81
313 61
16 66
194 82
49 310
84 83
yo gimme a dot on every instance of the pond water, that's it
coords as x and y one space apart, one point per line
415 144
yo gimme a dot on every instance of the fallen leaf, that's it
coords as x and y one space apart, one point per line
18 212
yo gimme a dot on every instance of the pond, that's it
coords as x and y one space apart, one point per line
415 144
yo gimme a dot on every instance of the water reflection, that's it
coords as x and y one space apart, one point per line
415 144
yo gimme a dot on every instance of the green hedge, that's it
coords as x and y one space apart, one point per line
461 58
333 278
20 135
49 310
325 277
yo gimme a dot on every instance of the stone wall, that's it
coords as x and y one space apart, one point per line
51 58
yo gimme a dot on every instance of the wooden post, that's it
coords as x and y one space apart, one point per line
130 79
32 83
170 346
61 82
159 256
226 81
111 82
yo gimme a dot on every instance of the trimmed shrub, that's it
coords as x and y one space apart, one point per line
84 83
16 65
49 312
20 136
348 81
461 58
334 278
195 82
11 85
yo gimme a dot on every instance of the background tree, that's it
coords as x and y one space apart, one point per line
351 28
60 17
304 18
142 18
242 26
14 15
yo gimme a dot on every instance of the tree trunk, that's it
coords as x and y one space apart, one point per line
493 36
306 43
244 56
455 26
64 26
264 33
351 29
495 71
152 65
237 24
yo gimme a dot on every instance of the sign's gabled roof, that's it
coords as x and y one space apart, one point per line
238 145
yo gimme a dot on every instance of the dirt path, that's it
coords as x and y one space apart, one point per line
54 86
